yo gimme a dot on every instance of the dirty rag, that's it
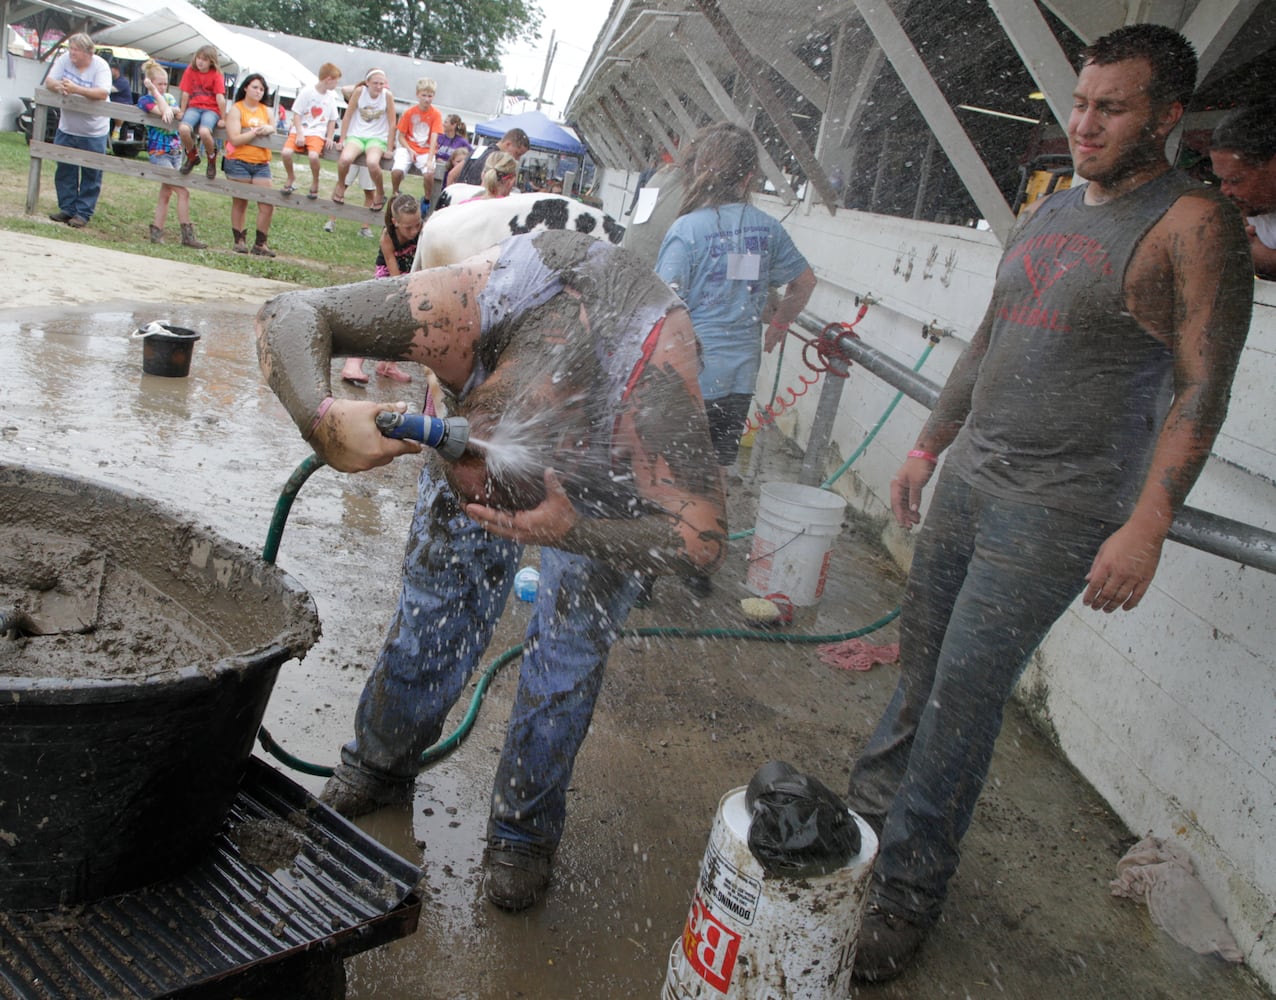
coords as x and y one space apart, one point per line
1161 874
856 654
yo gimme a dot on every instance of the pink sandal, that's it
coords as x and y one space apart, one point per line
388 369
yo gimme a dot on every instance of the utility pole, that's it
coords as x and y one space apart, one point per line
549 61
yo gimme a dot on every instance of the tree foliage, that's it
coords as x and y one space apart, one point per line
468 32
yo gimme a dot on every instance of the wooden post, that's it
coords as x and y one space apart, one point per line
39 123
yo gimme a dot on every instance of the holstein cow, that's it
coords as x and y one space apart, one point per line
466 227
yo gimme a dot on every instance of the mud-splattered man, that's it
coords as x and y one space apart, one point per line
578 367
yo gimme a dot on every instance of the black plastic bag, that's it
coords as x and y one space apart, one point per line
798 827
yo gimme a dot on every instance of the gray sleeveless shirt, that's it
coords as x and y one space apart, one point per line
1072 392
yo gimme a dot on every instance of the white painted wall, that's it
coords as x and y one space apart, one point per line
1168 711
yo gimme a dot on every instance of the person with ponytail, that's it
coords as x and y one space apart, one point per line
723 256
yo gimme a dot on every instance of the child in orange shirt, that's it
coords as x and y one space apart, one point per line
419 130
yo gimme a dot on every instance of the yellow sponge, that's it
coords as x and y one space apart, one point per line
760 611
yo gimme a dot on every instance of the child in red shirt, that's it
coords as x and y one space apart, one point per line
203 108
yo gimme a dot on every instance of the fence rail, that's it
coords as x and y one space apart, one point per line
195 181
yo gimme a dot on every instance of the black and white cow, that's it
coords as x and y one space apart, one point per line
466 227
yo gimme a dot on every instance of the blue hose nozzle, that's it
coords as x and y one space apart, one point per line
449 436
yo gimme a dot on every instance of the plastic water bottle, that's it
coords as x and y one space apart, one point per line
526 582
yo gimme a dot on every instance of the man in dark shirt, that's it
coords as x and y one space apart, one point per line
1060 481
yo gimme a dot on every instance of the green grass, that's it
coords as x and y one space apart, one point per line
307 255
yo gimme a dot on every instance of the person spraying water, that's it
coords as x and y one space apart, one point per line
574 368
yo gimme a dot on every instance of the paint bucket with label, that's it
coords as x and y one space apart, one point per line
793 541
753 936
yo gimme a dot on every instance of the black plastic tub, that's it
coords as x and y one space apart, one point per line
123 747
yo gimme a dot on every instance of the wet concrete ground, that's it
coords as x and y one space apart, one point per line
679 721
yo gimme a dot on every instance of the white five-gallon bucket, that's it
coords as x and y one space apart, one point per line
751 936
793 540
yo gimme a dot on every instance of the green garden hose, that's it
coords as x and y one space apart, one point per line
445 746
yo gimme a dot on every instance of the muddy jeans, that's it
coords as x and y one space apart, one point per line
989 578
456 580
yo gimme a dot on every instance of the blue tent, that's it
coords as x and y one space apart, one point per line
544 134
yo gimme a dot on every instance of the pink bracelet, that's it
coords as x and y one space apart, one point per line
314 421
782 327
918 453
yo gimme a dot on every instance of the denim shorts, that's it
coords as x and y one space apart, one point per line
198 118
171 160
241 171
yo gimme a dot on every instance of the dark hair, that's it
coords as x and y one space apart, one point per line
1248 133
243 87
518 137
1171 56
724 156
400 204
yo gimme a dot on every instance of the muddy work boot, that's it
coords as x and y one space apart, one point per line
352 793
887 943
516 877
189 238
157 234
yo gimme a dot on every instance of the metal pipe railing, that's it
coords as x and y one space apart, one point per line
1221 536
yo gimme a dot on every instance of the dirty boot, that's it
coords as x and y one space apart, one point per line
260 248
189 239
352 792
157 234
241 240
516 877
887 944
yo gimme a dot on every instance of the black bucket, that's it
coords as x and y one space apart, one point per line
111 782
168 351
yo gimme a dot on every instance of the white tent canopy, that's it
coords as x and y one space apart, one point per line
17 44
173 33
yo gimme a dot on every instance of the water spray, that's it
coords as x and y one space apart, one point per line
449 436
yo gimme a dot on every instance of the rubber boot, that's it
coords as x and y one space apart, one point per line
157 234
260 248
241 240
188 237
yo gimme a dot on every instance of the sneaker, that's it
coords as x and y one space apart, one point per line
60 216
887 943
366 233
329 227
354 793
515 878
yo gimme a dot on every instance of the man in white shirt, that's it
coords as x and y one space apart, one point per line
79 72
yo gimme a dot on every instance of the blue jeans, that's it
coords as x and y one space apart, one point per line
456 581
78 187
989 578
